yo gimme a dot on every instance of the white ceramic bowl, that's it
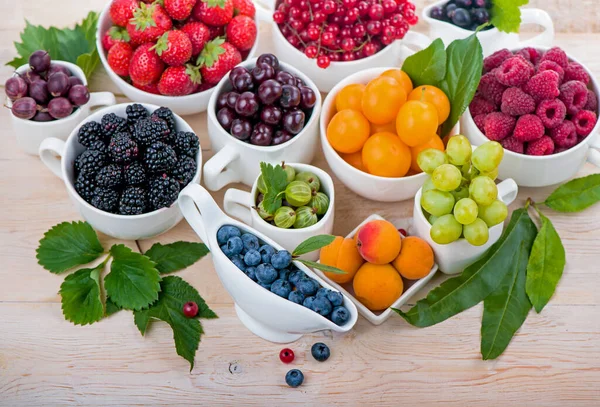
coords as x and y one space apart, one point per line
236 161
30 134
541 171
59 156
453 258
181 105
239 204
265 314
493 40
410 287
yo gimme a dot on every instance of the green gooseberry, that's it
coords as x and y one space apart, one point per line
290 172
285 217
298 193
263 213
311 179
305 217
260 184
320 202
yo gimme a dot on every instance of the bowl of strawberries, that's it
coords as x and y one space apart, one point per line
172 53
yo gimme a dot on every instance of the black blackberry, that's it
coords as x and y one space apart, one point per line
184 170
163 191
110 176
186 143
105 199
98 145
113 124
89 162
160 157
148 131
85 187
167 115
134 174
122 148
133 201
89 133
135 112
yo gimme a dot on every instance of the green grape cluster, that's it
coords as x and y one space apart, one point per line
460 197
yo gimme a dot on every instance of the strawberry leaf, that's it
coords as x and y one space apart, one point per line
118 34
142 17
210 53
80 296
215 3
194 73
176 256
162 44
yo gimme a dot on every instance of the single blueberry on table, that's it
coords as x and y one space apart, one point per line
250 241
284 274
320 351
340 315
336 298
252 258
297 297
307 286
235 245
322 292
322 306
308 302
266 252
281 259
251 272
227 232
266 274
294 378
238 260
296 276
282 288
225 251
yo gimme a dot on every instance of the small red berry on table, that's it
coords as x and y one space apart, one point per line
286 355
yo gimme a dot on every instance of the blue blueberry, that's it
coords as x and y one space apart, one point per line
244 251
297 297
322 292
252 258
294 378
281 259
307 286
227 232
336 298
296 276
251 272
265 286
266 252
250 241
322 306
340 315
284 274
308 302
266 274
235 245
320 351
282 288
225 250
238 260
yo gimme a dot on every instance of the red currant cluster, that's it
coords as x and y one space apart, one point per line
343 30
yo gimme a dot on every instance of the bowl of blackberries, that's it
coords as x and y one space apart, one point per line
124 167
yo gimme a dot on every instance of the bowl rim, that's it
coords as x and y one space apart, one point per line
70 144
427 10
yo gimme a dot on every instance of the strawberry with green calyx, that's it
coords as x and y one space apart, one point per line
199 35
146 66
149 22
121 11
179 9
244 7
174 48
119 58
213 12
241 32
216 59
179 80
113 35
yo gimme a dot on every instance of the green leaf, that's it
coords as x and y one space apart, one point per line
428 66
506 15
313 243
80 296
176 256
88 63
322 267
133 281
33 38
210 53
169 308
546 265
275 182
463 72
576 195
505 310
111 307
67 245
477 281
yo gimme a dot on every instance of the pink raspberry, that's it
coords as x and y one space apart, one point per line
530 54
480 122
584 121
515 102
529 65
557 55
543 85
564 135
551 112
551 66
479 105
592 102
513 72
574 95
498 126
512 144
529 127
541 146
491 89
496 59
576 72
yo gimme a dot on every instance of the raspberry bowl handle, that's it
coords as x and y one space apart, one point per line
543 19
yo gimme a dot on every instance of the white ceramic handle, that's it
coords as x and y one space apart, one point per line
216 173
100 99
420 41
542 18
508 190
200 210
51 153
263 12
238 203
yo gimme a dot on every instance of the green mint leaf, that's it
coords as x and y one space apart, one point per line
67 245
322 267
506 15
576 195
505 310
477 281
463 72
428 66
176 256
546 264
133 281
313 243
111 307
80 296
169 308
275 182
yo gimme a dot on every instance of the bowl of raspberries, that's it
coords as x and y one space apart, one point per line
542 106
173 52
124 166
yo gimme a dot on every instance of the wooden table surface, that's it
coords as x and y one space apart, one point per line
554 360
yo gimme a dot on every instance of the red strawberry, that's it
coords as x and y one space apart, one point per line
216 59
145 67
121 11
148 23
179 9
174 48
244 7
213 12
198 33
241 32
119 58
179 80
113 35
216 31
150 88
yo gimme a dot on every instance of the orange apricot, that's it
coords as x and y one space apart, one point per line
417 122
349 97
378 242
385 155
387 127
348 130
343 254
401 77
355 160
415 259
382 100
377 286
434 142
436 97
